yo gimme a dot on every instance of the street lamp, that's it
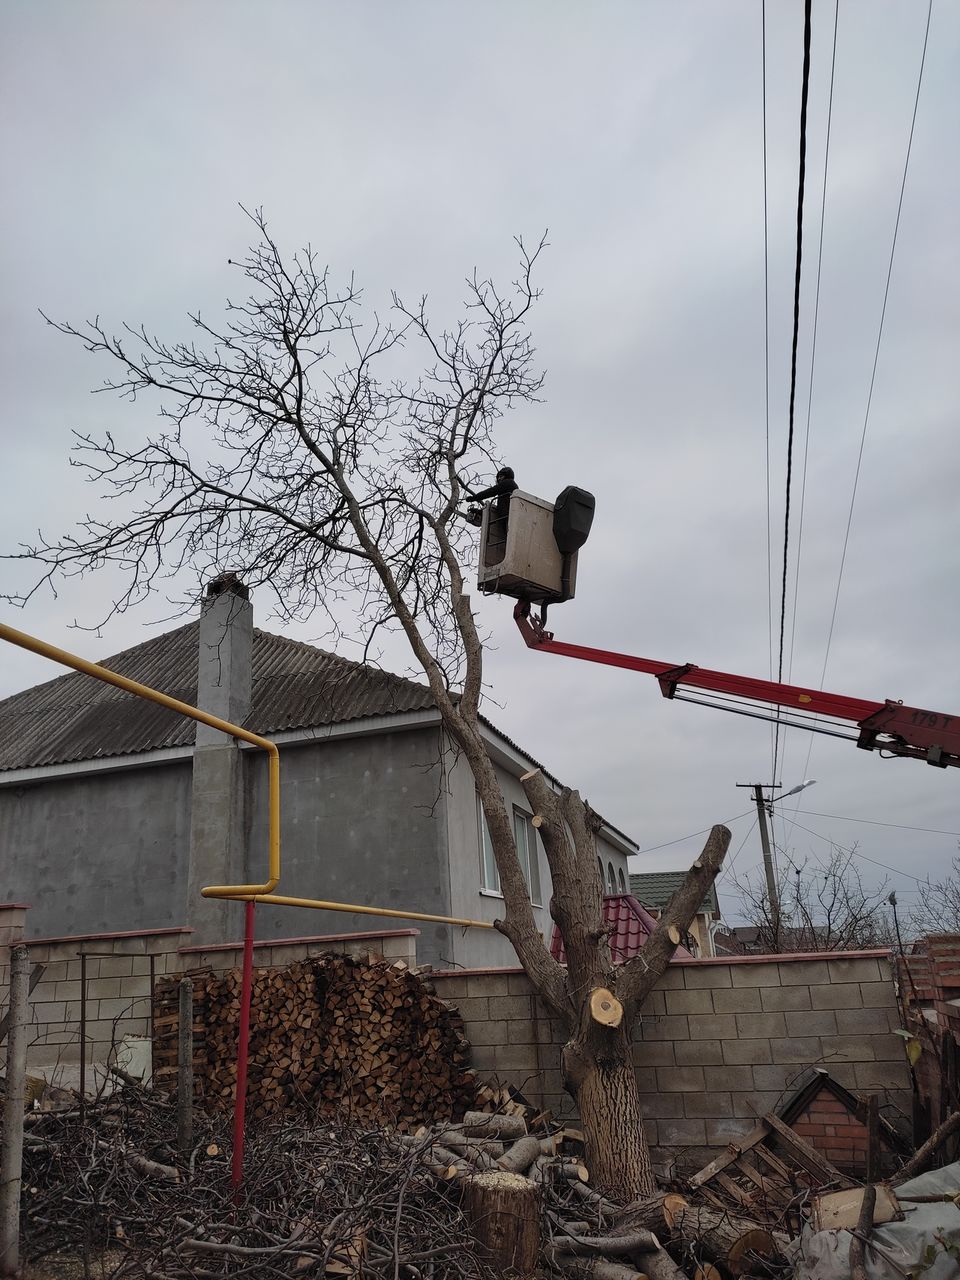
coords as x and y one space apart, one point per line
763 808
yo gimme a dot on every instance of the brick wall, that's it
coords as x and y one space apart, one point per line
720 1043
829 1126
930 994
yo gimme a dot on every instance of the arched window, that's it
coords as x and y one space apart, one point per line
621 880
611 879
600 871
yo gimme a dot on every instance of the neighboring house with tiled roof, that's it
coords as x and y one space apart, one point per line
631 924
655 889
115 812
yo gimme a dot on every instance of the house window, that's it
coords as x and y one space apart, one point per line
526 838
611 879
622 881
489 874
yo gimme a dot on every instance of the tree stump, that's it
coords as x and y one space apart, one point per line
503 1210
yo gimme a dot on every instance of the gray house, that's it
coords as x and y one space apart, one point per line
115 812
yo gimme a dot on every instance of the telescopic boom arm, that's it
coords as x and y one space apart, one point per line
886 726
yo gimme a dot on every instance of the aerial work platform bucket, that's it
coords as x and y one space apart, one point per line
528 546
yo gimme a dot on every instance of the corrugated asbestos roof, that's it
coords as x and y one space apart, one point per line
294 686
632 926
656 888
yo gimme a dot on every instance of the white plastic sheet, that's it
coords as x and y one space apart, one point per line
924 1246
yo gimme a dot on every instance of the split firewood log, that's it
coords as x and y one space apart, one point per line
594 1268
519 1157
478 1124
559 1169
614 1246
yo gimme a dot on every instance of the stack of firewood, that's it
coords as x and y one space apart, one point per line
334 1034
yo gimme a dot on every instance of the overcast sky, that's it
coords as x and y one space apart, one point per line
410 142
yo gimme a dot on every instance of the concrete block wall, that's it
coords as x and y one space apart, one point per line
395 944
120 968
720 1043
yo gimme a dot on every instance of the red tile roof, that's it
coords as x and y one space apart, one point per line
632 926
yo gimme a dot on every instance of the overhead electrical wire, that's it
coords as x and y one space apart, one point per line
855 853
873 822
693 835
728 867
813 361
804 95
876 354
813 345
766 362
873 372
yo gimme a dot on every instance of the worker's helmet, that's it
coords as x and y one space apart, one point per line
505 473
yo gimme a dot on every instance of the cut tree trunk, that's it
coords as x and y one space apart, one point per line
599 1074
723 1236
503 1210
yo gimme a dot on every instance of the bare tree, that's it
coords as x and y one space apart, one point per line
295 452
938 906
823 907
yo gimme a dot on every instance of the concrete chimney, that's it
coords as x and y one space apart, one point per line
218 817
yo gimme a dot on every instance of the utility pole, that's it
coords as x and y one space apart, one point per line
773 895
763 808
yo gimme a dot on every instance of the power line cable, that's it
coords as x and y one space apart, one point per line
855 853
804 95
876 354
813 365
873 822
680 839
766 365
813 347
728 869
873 373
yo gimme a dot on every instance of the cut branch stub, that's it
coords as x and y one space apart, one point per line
605 1007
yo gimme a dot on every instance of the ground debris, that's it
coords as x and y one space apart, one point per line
324 1197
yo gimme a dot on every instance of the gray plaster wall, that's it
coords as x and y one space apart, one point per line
482 948
362 822
98 853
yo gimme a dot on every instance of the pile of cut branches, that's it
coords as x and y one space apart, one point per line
321 1198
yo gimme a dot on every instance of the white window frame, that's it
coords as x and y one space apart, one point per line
489 871
528 853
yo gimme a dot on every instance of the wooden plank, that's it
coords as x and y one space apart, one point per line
806 1156
755 1176
733 1152
774 1162
732 1189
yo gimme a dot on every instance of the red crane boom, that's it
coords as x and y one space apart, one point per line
886 726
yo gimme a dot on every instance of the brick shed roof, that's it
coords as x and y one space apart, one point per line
656 888
632 926
294 686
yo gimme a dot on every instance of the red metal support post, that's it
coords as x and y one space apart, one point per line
243 1050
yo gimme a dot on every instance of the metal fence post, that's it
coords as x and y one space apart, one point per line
11 1160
